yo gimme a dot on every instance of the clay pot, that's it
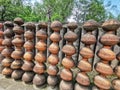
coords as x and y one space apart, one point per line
109 39
81 87
55 37
118 56
8 24
18 42
16 64
90 25
28 56
66 75
70 36
116 84
17 74
41 46
7 52
28 66
1 33
17 54
83 79
104 69
39 68
7 71
6 62
18 21
69 50
106 54
56 26
1 48
27 77
18 30
1 25
28 45
52 70
40 57
86 53
67 63
84 66
39 79
1 40
117 71
53 59
64 85
41 34
111 25
88 39
54 48
72 25
29 35
8 33
7 42
102 82
42 25
52 80
30 25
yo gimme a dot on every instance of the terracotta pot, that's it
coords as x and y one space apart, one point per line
8 24
30 25
6 62
72 25
83 79
18 21
7 71
41 46
86 53
106 54
81 87
8 33
43 25
1 40
7 52
18 30
52 80
104 69
118 56
40 57
39 68
17 54
39 80
66 75
116 84
64 85
56 26
52 70
28 45
27 77
69 50
67 63
18 42
109 39
111 25
16 64
28 56
70 36
117 71
7 42
88 39
1 33
53 59
29 35
41 34
1 48
54 48
1 25
90 25
17 74
102 82
28 66
55 37
84 66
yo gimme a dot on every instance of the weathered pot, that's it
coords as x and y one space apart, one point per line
117 71
83 79
28 66
1 33
17 54
55 37
81 87
29 35
28 56
30 25
41 46
6 62
64 85
18 21
1 40
116 84
72 25
7 71
52 70
118 56
16 64
18 30
28 45
7 42
66 75
27 77
18 42
40 57
41 34
52 80
17 74
53 59
54 48
8 33
56 26
7 52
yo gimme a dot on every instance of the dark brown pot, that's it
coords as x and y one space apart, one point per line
64 85
16 64
40 57
7 71
104 69
72 25
6 62
41 46
102 82
27 77
83 79
53 59
18 30
52 80
7 52
18 21
69 50
54 48
66 75
39 68
56 26
39 80
67 63
84 66
28 66
17 74
28 56
29 35
8 33
52 70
